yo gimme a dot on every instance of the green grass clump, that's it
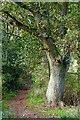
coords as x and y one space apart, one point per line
47 109
69 113
9 95
35 101
6 111
7 114
36 95
5 105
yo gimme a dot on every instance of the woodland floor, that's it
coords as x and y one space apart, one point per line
19 106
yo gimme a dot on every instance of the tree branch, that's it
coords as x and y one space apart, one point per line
4 20
22 26
13 35
73 73
64 8
52 47
63 13
24 6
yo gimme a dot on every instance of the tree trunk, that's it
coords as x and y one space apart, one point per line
56 84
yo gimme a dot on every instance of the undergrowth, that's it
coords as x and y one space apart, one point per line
9 95
37 93
69 113
6 111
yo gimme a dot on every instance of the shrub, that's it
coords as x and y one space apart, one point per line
71 89
11 79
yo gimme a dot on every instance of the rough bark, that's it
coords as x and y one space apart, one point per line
57 71
56 84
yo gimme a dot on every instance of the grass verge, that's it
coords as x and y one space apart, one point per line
69 113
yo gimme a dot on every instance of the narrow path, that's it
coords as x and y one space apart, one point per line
20 109
18 103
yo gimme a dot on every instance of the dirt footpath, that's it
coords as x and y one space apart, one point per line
18 103
19 106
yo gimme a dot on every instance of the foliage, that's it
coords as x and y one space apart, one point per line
71 89
66 113
4 105
9 95
6 111
8 114
40 81
35 101
10 83
61 19
25 114
20 52
11 70
18 59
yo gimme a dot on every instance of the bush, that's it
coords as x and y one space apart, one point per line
8 114
9 95
11 77
40 78
71 89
